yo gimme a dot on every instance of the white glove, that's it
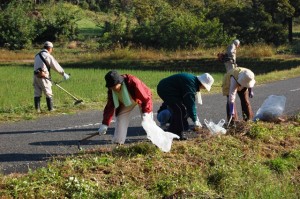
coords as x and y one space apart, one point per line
102 129
66 76
197 125
145 115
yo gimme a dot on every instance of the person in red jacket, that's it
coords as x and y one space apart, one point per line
124 93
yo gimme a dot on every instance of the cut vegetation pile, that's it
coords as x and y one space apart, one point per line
254 160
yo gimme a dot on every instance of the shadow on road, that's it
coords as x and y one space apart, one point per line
18 162
49 131
16 157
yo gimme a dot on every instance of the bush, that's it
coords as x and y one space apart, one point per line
58 22
16 25
177 29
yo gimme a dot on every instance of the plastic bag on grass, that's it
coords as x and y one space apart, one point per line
159 137
271 109
215 128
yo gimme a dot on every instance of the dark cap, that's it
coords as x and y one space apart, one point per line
112 78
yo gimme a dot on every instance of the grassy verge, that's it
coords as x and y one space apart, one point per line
87 84
255 160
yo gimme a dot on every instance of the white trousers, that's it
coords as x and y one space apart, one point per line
42 85
122 123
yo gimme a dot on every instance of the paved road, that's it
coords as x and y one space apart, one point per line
28 144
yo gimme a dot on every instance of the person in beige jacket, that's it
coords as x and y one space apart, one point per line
43 62
230 61
238 81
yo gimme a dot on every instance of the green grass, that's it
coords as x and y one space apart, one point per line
235 165
88 28
87 84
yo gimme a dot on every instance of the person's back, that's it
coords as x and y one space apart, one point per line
231 55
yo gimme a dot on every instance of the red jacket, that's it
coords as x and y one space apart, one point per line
139 92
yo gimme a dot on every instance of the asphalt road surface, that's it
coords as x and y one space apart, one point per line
29 144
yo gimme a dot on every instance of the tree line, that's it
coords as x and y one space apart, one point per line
167 24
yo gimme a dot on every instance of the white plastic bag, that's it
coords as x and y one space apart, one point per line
159 137
271 109
215 128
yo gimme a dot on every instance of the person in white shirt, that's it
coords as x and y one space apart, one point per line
230 59
43 62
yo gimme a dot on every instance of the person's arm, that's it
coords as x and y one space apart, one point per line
108 113
232 94
251 92
232 89
109 109
54 64
141 93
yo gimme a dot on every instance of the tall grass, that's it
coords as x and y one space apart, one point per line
72 51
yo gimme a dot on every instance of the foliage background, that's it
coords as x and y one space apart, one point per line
159 24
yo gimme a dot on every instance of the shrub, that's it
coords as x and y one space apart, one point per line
58 22
16 25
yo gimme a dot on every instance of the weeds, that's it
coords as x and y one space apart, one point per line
260 161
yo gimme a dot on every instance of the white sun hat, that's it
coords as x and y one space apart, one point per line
48 44
246 78
236 42
206 80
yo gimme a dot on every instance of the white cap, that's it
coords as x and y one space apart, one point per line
236 42
206 80
48 44
246 78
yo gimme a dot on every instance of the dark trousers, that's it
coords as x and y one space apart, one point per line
179 118
245 103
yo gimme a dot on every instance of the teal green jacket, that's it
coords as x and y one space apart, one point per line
180 88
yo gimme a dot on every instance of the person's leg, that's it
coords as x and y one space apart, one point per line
179 121
235 116
122 123
245 103
164 117
37 94
48 92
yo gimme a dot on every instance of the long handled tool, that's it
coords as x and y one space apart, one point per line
229 121
88 137
77 101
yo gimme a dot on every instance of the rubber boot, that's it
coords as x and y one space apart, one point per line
49 103
37 104
182 135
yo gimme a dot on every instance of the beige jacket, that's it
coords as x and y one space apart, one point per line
229 79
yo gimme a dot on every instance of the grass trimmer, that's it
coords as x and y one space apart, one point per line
77 101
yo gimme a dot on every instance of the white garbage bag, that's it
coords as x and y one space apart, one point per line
271 109
215 128
159 137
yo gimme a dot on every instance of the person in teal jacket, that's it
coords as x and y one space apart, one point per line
179 93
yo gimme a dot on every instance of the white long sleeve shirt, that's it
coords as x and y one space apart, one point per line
234 87
231 51
38 63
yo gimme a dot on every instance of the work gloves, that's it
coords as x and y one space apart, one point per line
251 93
231 108
102 130
66 76
147 115
197 125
